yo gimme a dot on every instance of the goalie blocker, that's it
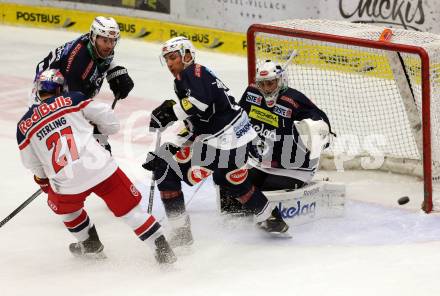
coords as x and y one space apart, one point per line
312 202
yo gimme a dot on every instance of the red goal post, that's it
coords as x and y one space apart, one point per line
337 63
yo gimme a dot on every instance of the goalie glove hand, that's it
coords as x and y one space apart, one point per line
314 134
163 115
120 82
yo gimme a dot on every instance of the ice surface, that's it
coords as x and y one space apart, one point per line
378 248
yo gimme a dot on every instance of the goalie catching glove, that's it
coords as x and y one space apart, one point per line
314 134
120 82
163 115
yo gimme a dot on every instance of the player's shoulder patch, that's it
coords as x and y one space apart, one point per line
72 55
288 99
253 97
282 111
198 70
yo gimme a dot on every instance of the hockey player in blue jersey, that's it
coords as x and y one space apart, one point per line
292 131
86 61
221 135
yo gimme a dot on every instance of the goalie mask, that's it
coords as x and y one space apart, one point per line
105 27
270 79
182 45
49 82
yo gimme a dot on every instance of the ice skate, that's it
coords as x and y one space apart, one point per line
232 206
181 234
164 253
90 248
275 225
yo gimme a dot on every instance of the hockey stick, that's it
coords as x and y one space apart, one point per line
293 54
191 197
21 207
114 102
153 179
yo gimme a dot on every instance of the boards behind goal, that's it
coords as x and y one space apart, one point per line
380 90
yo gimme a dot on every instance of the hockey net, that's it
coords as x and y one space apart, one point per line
382 96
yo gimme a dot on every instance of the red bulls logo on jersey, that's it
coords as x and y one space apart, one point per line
42 111
197 174
184 155
237 176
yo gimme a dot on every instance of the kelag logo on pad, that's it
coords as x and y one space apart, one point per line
298 210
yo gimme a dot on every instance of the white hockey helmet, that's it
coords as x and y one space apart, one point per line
269 71
180 44
105 27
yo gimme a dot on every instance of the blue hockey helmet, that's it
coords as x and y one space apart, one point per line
49 81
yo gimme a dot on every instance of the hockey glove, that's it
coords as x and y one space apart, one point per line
314 134
120 82
101 139
163 115
156 159
43 182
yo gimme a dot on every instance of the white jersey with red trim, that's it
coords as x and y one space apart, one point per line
56 141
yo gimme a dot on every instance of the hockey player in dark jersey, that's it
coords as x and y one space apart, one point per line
221 134
292 132
86 61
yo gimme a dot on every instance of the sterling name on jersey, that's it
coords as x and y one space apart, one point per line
56 141
81 69
209 112
279 150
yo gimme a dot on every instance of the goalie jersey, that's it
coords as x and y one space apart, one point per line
208 111
56 141
279 150
82 70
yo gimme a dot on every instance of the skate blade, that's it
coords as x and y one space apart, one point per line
281 235
274 234
180 244
91 256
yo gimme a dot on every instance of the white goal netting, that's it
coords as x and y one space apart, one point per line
373 97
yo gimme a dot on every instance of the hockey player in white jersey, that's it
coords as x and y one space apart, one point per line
56 143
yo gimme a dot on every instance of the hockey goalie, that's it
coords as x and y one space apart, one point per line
292 132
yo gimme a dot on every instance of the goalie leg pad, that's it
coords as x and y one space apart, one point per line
310 203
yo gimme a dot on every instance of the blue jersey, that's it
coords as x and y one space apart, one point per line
278 146
209 110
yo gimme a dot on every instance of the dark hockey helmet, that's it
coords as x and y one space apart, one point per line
49 81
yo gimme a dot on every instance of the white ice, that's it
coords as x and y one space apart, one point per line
377 248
